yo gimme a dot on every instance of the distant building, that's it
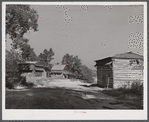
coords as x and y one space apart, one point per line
60 70
31 69
119 70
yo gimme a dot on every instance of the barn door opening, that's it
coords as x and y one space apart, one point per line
107 82
104 81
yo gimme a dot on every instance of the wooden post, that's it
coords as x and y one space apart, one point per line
108 83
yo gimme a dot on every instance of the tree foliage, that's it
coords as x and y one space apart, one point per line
46 56
33 56
74 65
28 53
12 60
86 74
68 61
20 19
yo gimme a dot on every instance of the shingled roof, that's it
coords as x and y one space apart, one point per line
128 55
58 67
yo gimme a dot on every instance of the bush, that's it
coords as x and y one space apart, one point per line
25 83
12 81
9 83
86 74
136 88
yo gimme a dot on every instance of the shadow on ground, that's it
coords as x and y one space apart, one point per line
59 98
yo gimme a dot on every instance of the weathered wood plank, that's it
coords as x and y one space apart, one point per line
127 79
123 73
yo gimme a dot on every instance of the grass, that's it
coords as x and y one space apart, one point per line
129 97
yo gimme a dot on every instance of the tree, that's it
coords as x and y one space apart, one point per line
19 20
12 60
46 56
86 74
32 56
68 61
40 57
74 65
26 51
50 55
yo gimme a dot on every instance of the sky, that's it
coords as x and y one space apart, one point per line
91 32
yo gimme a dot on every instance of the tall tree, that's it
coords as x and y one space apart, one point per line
40 57
86 74
68 61
19 20
74 65
26 51
50 55
46 56
33 56
12 60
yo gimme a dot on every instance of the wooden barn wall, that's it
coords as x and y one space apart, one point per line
104 71
124 73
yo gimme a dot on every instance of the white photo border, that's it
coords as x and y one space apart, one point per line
62 114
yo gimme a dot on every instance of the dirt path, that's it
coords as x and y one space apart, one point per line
61 94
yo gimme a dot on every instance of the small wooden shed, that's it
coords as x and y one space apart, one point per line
119 70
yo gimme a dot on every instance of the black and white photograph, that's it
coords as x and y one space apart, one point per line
74 57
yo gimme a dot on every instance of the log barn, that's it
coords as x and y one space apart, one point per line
119 70
31 69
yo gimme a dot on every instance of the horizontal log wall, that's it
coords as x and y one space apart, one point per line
124 73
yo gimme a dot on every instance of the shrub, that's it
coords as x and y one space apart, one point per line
12 81
24 82
136 88
86 74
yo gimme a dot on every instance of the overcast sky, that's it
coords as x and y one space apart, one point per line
92 33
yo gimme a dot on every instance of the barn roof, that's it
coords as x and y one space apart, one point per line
58 67
37 63
26 66
126 55
40 63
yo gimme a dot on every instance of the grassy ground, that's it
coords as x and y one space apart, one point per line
128 99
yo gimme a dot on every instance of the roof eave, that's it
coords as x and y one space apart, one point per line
124 58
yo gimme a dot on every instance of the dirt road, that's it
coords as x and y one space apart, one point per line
61 94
